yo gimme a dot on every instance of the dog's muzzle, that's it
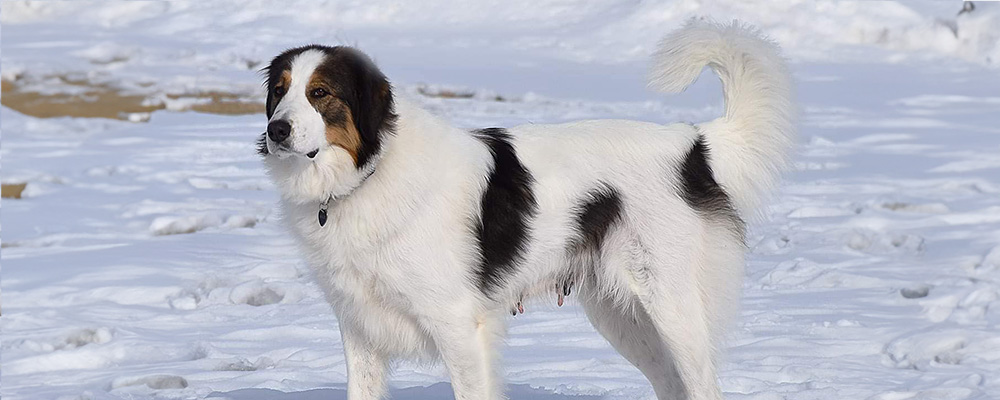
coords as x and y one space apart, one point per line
278 132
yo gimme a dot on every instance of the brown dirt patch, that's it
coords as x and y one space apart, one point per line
12 190
452 93
445 93
95 102
103 101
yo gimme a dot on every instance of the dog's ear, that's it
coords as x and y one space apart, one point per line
372 105
272 72
269 104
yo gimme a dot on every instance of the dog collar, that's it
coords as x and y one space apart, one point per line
326 203
322 210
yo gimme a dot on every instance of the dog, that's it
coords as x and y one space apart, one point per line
425 236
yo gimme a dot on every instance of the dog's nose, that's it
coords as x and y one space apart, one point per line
278 130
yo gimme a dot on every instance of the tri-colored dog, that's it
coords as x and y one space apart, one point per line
425 236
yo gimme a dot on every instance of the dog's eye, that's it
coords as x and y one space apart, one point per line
279 91
319 93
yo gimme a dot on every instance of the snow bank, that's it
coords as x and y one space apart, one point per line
184 48
604 30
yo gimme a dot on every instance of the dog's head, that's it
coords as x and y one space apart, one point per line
328 110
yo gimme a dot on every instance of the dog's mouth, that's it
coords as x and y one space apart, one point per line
283 151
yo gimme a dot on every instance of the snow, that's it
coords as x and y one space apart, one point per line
146 260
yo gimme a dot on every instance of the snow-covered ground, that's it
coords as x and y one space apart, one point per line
145 260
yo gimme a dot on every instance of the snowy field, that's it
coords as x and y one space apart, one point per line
145 259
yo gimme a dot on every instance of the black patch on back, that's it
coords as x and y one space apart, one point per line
701 191
359 83
507 204
594 217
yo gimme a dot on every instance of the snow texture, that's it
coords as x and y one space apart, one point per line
146 260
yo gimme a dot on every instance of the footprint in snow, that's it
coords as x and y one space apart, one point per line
915 292
72 340
874 242
256 294
190 298
175 225
974 306
245 365
919 351
221 291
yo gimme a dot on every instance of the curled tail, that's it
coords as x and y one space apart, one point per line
749 146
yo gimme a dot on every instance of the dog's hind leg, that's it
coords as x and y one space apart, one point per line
678 316
653 312
629 329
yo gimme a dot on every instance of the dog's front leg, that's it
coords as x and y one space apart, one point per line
366 369
467 346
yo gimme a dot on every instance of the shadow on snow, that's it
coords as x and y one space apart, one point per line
437 391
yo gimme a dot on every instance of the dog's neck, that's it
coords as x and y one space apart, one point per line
333 198
399 180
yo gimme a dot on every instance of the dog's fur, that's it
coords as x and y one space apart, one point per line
436 233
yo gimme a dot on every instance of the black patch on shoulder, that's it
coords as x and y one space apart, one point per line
701 191
594 217
507 204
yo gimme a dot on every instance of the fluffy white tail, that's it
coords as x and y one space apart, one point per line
749 146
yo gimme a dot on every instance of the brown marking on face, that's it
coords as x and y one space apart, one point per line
340 128
345 136
285 81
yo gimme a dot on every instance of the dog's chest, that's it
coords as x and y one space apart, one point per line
370 299
356 271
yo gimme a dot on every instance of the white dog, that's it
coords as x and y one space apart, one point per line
425 236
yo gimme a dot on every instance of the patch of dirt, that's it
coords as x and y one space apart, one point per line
93 100
12 190
445 93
